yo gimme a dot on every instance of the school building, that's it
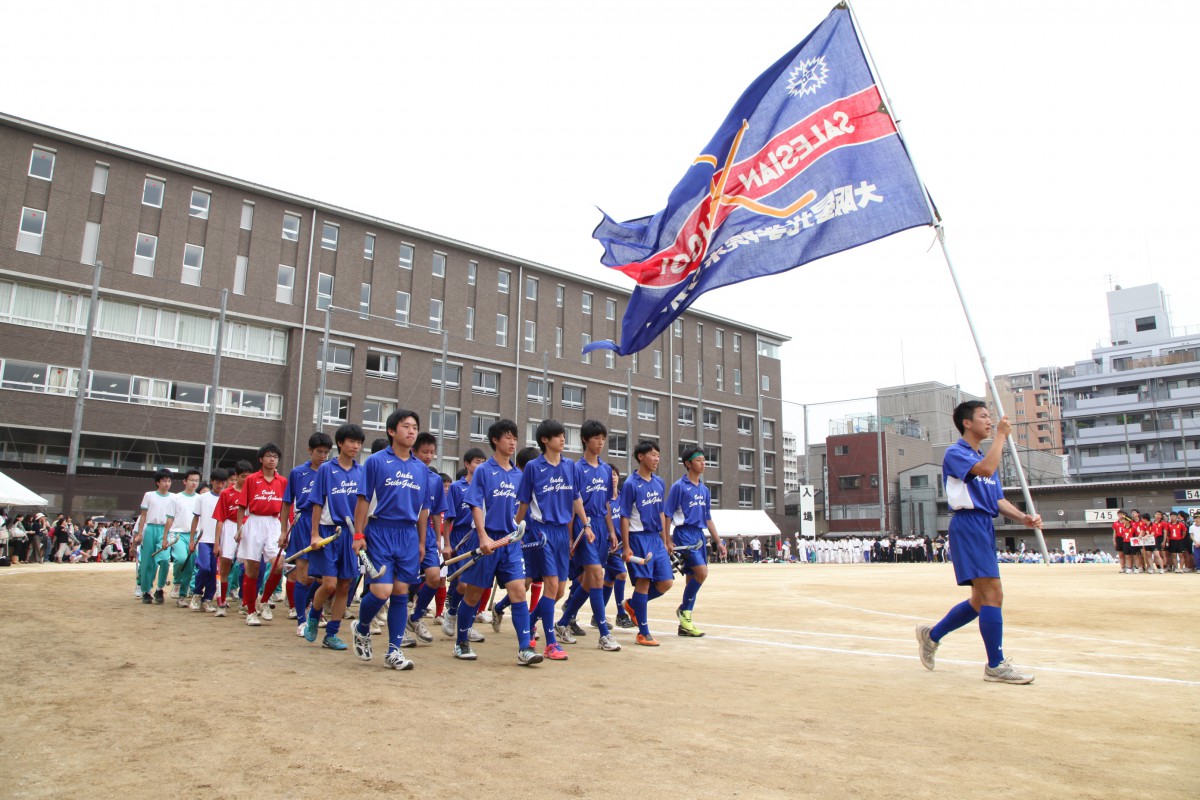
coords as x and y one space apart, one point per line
171 237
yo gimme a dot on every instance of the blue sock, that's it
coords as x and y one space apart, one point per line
332 627
960 615
619 593
520 621
397 620
545 612
639 602
608 591
424 595
575 601
991 628
596 596
464 624
654 592
690 589
300 598
367 610
453 599
501 604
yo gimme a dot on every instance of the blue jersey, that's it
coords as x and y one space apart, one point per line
396 488
642 503
964 491
300 484
595 486
689 504
549 490
458 508
437 494
494 489
337 491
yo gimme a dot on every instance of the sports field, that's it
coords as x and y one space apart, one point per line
806 685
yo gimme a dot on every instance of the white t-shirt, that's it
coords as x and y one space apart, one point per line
208 525
1195 532
158 507
755 545
184 510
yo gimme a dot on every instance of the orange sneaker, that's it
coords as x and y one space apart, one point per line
555 653
646 641
632 616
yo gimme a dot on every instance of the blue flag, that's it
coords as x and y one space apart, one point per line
807 163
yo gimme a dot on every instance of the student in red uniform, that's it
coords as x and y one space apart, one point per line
1158 528
1118 529
1140 528
1177 547
226 515
261 529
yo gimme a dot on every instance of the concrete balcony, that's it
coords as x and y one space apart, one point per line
1185 393
1112 462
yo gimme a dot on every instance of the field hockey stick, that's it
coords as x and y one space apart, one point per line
640 560
515 536
167 545
365 560
320 543
575 543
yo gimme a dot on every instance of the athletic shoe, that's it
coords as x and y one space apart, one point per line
407 641
1004 672
497 618
277 597
253 620
484 617
194 603
632 616
310 629
464 652
438 619
420 631
207 607
608 643
607 622
221 609
926 646
396 660
450 627
686 628
625 621
137 590
291 613
301 629
266 613
362 643
575 630
158 597
174 592
646 641
474 635
376 626
147 599
528 657
182 603
564 634
555 653
334 643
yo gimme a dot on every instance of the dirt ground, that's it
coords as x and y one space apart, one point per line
806 685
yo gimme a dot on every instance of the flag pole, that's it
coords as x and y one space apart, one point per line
941 235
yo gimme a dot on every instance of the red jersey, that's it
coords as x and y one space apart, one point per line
226 509
262 497
1122 530
1141 528
1159 529
1176 530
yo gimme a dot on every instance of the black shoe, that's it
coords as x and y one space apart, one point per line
146 599
158 597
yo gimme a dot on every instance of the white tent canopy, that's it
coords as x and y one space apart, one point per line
14 494
743 522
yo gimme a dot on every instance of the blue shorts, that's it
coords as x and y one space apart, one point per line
589 553
685 536
973 546
336 559
506 564
551 559
432 557
394 549
300 535
614 566
659 568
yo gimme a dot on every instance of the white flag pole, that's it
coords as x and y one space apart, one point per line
941 235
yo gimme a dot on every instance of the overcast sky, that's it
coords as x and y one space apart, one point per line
1057 138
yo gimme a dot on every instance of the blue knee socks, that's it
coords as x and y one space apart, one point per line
520 621
424 595
397 620
545 612
596 596
574 602
465 621
367 610
991 628
960 615
619 593
690 590
300 598
639 603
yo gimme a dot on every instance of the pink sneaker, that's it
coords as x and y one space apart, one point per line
554 653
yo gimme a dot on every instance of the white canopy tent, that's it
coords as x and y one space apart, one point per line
14 494
743 522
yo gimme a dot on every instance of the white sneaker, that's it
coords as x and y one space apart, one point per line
362 643
266 613
484 617
419 630
474 635
220 611
563 633
291 613
1004 672
207 607
376 626
195 603
252 619
926 646
609 643
449 626
396 660
174 592
300 630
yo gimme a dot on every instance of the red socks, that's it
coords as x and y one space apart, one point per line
271 585
535 594
224 592
441 600
249 591
290 591
483 601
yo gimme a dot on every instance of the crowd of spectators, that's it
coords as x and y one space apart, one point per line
35 539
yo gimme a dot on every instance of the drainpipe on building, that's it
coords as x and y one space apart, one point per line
210 431
81 393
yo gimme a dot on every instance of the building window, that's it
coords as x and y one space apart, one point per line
364 300
658 363
745 460
530 336
766 383
199 205
241 266
336 410
403 302
720 338
677 368
531 287
610 309
152 192
745 424
647 409
41 164
324 291
768 349
284 283
874 481
558 342
737 381
435 315
376 412
247 221
406 256
100 179
714 490
369 246
712 419
472 272
610 359
382 365
560 296
143 254
769 497
91 242
444 424
768 429
470 324
439 265
1146 323
503 277
340 357
687 416
618 445
677 328
841 449
453 373
535 391
849 481
484 382
768 462
712 455
919 482
572 396
291 227
574 440
587 357
502 330
479 426
745 497
737 343
586 303
33 228
329 236
618 404
193 264
720 378
699 333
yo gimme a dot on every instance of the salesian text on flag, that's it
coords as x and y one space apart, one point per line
817 167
